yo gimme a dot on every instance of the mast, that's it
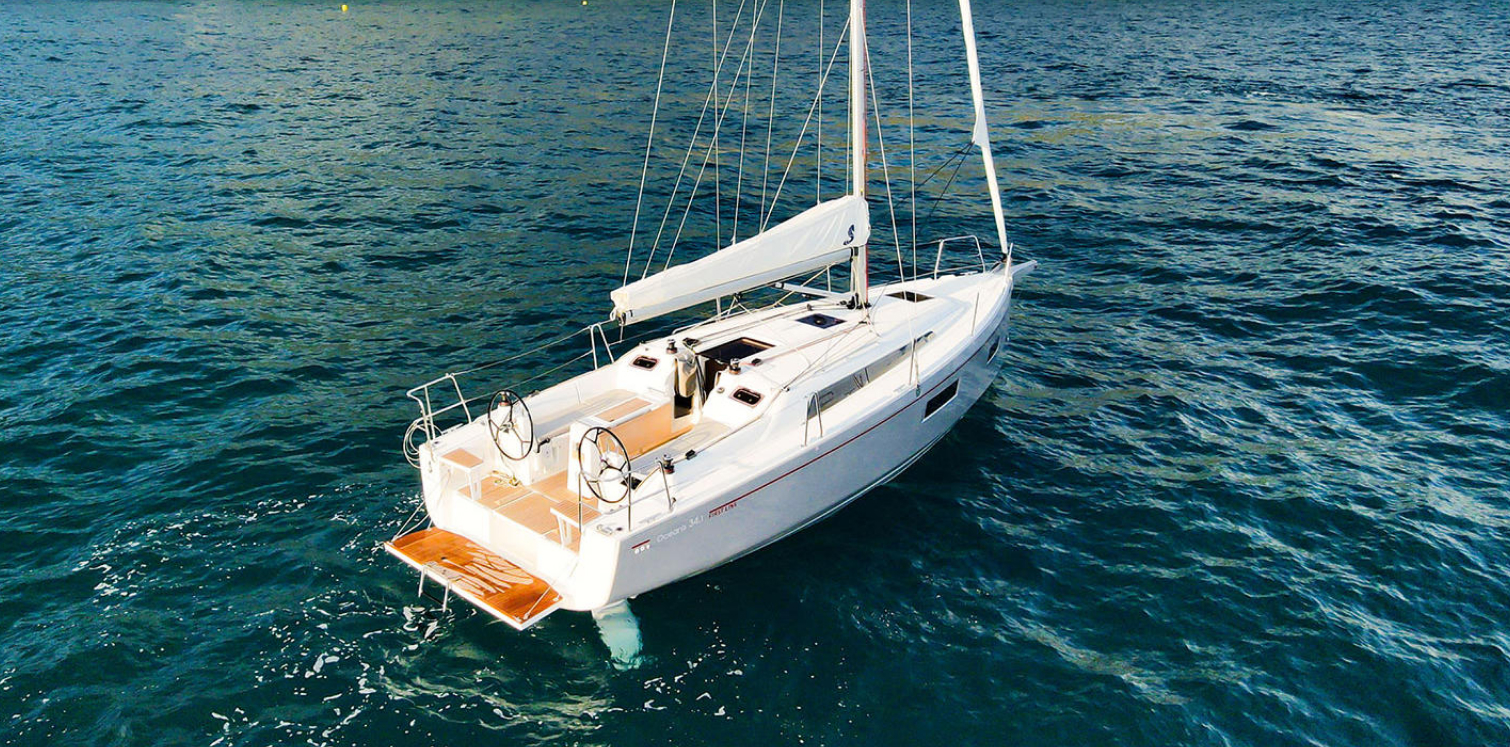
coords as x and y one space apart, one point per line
858 62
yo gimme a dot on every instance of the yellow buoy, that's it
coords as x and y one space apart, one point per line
343 8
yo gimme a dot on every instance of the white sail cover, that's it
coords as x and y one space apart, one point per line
820 236
981 135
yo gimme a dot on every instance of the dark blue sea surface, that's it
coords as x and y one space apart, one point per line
1241 482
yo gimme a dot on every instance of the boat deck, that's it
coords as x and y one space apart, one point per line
501 588
541 507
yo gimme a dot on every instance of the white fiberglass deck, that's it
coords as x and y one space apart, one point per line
794 411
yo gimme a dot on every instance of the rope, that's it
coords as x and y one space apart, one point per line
649 141
533 350
818 198
960 154
718 220
805 122
765 172
717 125
744 124
691 145
960 162
410 522
875 101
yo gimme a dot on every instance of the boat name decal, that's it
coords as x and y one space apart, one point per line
668 535
694 521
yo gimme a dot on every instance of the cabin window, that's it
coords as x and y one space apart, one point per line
645 362
838 391
940 399
746 396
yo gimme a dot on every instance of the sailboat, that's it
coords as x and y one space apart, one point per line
704 443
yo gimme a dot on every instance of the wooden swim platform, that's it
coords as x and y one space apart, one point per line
483 578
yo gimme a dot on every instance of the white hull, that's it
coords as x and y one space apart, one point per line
753 482
808 486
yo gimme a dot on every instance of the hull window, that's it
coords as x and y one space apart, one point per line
942 398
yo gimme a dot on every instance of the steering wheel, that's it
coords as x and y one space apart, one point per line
608 465
507 414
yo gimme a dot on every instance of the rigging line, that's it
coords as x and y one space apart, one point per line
534 349
945 190
649 141
744 123
718 220
687 158
810 279
963 151
875 102
707 156
822 359
805 122
721 108
912 154
821 17
770 127
718 122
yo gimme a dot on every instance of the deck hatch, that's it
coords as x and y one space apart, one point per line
821 321
743 347
909 296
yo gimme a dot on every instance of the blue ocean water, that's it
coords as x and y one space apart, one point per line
1241 482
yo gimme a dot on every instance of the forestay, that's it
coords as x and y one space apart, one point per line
819 237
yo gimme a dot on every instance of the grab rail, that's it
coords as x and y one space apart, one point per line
913 269
632 490
663 466
938 256
425 423
814 412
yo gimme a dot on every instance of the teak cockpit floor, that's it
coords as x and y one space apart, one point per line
532 505
503 589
